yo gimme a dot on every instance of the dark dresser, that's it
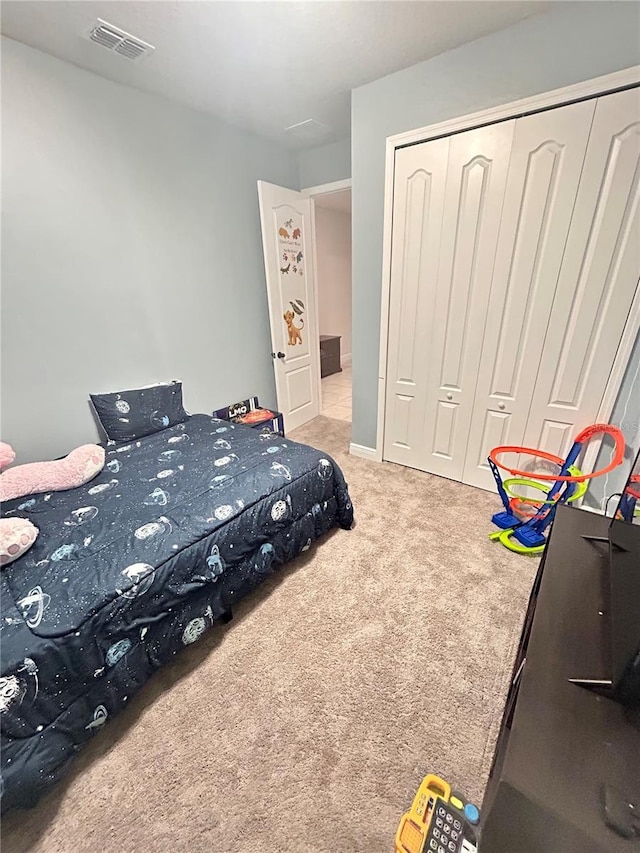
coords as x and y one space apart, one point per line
559 743
329 355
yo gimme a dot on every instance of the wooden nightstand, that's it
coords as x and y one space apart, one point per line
329 355
250 413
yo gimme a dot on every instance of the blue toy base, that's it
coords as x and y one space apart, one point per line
529 537
505 520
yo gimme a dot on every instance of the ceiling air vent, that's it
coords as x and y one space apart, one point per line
117 40
310 130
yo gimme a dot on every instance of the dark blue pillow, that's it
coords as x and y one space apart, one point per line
132 414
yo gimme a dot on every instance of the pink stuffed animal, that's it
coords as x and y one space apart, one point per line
17 535
80 466
7 454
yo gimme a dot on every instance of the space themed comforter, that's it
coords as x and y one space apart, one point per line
134 566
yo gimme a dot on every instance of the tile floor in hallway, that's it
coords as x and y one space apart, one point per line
336 395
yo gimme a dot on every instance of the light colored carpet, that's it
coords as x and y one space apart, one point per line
307 723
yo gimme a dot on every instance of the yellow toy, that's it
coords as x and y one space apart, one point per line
439 821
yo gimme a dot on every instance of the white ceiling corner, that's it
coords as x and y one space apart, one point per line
267 65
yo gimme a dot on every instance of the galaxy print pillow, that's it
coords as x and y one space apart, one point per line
143 411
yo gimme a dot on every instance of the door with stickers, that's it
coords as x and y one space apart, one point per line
286 217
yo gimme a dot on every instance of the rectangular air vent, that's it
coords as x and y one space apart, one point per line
310 130
113 38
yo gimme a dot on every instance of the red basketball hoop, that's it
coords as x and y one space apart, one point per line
585 435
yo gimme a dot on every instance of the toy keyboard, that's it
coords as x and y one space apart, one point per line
439 821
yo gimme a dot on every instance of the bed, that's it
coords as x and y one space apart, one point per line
136 565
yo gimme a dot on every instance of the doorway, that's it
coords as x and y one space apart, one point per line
306 239
332 216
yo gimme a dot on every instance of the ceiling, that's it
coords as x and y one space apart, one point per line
340 201
262 65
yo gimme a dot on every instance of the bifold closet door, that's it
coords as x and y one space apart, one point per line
598 280
476 179
418 201
546 163
448 198
515 260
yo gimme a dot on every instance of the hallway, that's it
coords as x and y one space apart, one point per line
336 395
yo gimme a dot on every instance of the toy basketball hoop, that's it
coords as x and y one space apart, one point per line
529 506
524 520
585 435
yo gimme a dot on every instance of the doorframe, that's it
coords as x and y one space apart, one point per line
325 189
322 189
605 85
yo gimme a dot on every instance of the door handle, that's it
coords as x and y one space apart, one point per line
279 355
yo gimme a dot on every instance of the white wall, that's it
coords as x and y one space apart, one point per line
324 164
131 250
570 43
333 258
626 415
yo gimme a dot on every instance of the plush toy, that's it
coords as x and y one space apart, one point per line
17 535
80 466
7 454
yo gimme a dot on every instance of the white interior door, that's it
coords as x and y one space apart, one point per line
546 164
448 197
597 283
287 240
476 178
418 200
515 261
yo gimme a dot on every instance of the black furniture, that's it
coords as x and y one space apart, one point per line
329 355
250 413
560 744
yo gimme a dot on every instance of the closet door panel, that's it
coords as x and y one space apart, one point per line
546 162
419 187
597 282
476 179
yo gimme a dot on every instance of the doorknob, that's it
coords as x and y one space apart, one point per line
279 355
449 396
501 406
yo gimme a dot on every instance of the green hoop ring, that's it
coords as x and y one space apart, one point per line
505 539
504 536
582 486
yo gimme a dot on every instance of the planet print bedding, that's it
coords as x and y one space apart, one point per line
137 564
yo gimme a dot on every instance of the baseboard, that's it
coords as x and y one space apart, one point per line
345 359
589 508
363 452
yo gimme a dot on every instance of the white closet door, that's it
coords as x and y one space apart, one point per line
546 162
598 280
418 198
476 179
